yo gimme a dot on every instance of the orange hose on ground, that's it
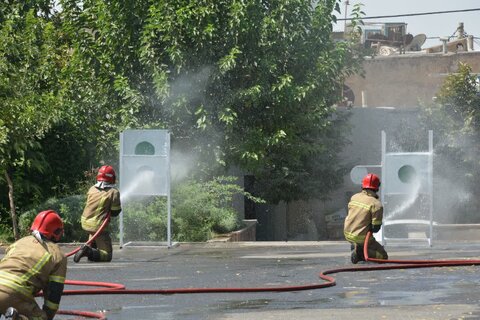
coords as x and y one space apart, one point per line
115 288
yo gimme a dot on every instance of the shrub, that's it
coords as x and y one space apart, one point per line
145 219
199 211
70 209
203 209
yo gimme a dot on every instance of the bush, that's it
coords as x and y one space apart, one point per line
145 219
199 211
70 209
203 209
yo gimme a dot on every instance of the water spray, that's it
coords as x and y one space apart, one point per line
144 179
412 196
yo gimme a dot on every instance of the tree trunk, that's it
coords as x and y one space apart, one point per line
13 212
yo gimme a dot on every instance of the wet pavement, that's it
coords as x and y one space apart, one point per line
431 293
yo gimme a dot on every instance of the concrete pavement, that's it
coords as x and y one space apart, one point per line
433 293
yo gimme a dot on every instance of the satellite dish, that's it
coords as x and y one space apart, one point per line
417 42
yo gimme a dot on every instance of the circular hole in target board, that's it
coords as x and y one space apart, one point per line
407 174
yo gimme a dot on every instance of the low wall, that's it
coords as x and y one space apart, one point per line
249 233
455 232
441 232
335 230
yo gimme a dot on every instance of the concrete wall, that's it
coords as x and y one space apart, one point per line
306 220
394 86
405 80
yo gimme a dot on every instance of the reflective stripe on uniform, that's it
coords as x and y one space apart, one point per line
58 279
94 222
91 224
38 266
20 283
354 238
376 222
359 204
101 205
16 283
51 305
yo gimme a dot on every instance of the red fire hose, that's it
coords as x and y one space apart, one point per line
110 286
115 288
100 230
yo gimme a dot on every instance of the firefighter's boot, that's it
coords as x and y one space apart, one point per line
85 251
357 254
11 314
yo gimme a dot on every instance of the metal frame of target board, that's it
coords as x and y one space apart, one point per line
422 162
157 160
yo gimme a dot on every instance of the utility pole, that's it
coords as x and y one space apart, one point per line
347 3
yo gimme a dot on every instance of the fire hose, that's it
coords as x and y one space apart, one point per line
110 286
115 288
92 238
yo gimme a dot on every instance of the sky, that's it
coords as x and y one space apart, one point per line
438 25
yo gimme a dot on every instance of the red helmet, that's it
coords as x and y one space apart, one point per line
371 181
49 224
106 173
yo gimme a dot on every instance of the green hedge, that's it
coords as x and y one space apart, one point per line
199 211
70 209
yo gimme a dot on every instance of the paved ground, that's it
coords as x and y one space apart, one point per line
433 293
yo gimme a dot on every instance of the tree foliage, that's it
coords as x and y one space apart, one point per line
258 81
247 84
244 84
455 119
29 61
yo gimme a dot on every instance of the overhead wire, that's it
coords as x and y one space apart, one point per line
411 14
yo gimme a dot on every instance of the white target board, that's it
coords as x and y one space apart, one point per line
145 169
406 172
145 162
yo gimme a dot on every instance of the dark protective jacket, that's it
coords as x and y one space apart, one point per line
30 266
365 213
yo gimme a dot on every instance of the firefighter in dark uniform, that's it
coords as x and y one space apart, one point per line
102 199
365 213
31 264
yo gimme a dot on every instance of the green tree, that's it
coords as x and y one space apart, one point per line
106 87
257 79
247 84
458 104
455 119
29 59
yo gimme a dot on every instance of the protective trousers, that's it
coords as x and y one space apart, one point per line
102 249
376 250
27 308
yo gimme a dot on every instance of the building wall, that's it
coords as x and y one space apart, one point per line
395 87
408 80
309 220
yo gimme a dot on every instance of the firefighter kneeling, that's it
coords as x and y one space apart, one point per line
103 198
365 213
31 264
